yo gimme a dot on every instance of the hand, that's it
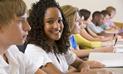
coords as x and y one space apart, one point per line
84 67
95 64
105 49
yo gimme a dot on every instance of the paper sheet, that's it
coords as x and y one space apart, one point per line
108 59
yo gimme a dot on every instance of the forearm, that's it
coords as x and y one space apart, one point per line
74 73
84 34
82 41
92 33
51 69
40 71
78 64
103 49
82 53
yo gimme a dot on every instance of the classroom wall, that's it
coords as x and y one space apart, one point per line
92 5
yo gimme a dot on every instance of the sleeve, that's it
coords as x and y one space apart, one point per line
37 56
111 23
29 66
100 29
94 28
82 42
72 41
25 65
70 57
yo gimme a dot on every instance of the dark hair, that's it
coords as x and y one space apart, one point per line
85 13
96 13
105 12
37 36
96 16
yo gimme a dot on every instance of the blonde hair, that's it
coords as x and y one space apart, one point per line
110 9
9 9
70 16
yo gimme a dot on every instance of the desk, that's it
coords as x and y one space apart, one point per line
115 70
111 60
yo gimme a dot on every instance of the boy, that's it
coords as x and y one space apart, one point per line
13 31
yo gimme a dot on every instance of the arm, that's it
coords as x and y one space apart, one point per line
103 49
92 64
86 43
40 60
84 34
85 52
94 28
82 53
97 37
91 32
40 71
80 65
51 69
88 36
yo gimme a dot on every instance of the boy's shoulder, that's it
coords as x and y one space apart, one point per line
13 52
32 48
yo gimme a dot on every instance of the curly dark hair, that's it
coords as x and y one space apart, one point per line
37 36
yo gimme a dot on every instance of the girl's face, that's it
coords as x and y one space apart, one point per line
106 18
53 27
79 21
112 14
16 31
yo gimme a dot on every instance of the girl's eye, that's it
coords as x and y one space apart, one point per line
50 21
60 20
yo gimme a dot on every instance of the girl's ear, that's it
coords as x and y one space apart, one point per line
82 17
1 28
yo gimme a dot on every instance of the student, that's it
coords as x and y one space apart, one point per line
86 21
112 12
105 19
80 34
86 14
97 19
71 15
48 40
13 30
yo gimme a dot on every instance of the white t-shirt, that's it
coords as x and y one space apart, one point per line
41 58
95 28
18 63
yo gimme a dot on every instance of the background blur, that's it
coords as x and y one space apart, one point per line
91 5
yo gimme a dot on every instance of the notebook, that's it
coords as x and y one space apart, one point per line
118 46
108 59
